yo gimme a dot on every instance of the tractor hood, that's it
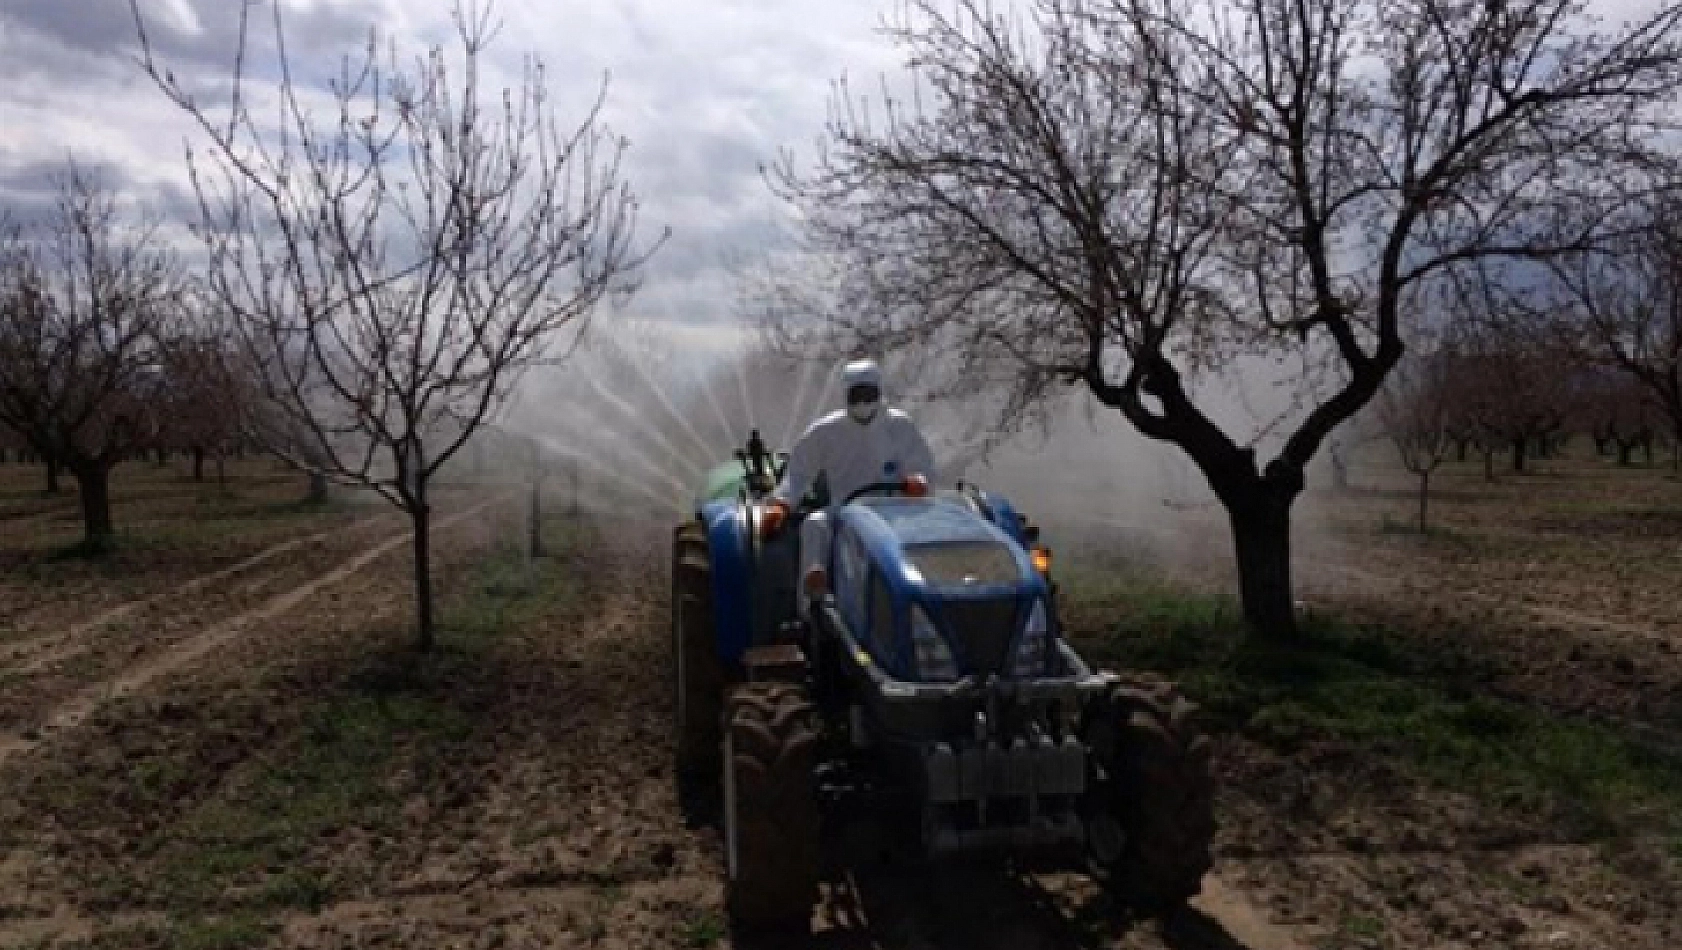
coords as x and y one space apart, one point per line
945 545
942 562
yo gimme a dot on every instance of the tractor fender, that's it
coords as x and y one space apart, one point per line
730 544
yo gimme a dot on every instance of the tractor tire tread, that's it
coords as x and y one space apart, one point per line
774 737
1163 797
695 660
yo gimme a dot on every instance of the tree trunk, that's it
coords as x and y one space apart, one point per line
421 517
94 481
221 469
1460 448
198 463
1261 531
1424 496
536 524
161 459
1519 445
1489 465
1625 451
52 474
318 489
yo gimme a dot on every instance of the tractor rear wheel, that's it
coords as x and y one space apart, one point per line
698 678
1150 808
771 822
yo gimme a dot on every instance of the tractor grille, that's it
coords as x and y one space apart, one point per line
983 629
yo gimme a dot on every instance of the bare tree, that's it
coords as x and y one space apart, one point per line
1414 408
392 267
1630 307
1124 194
28 452
86 300
1617 412
1514 378
205 396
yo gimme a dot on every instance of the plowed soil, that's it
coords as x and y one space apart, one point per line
265 761
245 766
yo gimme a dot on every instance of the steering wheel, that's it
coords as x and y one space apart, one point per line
914 486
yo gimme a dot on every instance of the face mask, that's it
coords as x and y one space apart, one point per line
862 412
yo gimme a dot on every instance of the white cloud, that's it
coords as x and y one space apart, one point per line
704 92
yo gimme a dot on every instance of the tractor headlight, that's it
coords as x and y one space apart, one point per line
1029 659
933 656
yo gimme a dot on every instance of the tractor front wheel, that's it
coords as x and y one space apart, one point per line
771 823
1150 808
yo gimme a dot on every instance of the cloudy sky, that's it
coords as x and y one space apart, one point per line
705 91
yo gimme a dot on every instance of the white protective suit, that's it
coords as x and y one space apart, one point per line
850 454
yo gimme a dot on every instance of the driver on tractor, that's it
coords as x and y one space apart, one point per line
865 444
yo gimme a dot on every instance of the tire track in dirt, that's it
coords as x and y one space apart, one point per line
41 651
70 713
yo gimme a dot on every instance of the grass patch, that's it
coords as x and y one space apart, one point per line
248 849
253 849
220 933
508 589
1441 537
1365 686
233 932
87 549
1356 925
704 930
1391 525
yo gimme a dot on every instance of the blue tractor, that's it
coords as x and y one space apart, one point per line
926 685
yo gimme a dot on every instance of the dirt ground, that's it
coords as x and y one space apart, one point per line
1555 589
225 741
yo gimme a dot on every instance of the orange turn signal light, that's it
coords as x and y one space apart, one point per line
1041 558
915 486
772 516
